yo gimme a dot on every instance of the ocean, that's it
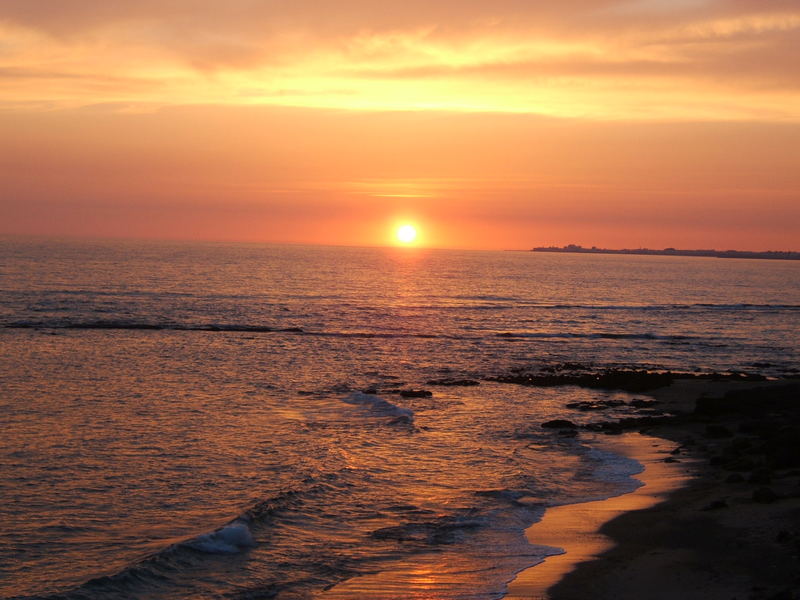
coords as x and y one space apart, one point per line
220 420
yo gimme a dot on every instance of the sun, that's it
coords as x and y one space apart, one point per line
406 234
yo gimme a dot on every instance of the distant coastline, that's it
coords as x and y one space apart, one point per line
769 255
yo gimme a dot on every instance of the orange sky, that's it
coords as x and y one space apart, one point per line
503 124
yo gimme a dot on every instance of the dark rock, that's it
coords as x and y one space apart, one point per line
783 537
416 393
786 594
716 505
753 402
671 459
620 379
370 390
740 376
760 476
585 406
764 495
717 431
742 463
782 447
748 427
599 405
734 478
613 427
293 330
454 382
559 424
638 403
713 406
740 443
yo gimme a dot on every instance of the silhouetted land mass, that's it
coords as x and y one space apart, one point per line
771 254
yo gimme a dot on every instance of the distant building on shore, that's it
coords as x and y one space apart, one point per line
770 254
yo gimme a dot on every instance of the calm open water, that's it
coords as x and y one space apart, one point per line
189 421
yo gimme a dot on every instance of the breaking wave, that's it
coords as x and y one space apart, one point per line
230 539
379 405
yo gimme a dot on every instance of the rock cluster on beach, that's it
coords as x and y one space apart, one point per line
627 379
734 532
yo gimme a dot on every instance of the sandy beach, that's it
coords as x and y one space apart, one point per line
575 528
717 516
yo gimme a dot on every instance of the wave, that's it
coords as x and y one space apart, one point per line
697 307
243 328
212 327
163 566
666 307
379 405
596 336
789 307
134 294
615 468
465 302
230 539
490 297
147 325
501 304
386 335
660 307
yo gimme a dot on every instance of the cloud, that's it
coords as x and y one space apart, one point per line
755 63
588 58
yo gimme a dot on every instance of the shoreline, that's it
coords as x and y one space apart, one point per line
702 526
575 528
699 528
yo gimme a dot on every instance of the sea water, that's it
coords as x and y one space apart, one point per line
223 420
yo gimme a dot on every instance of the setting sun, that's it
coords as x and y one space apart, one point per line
406 233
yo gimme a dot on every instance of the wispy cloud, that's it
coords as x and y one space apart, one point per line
603 59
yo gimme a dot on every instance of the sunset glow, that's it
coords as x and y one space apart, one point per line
609 122
335 299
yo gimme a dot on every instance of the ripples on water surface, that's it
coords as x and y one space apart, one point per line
185 421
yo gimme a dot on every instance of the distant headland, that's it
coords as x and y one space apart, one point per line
770 254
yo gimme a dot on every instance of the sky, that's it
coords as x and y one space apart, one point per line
499 125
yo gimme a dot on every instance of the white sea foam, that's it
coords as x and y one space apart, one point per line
233 538
379 405
616 468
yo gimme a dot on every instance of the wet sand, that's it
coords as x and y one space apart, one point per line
575 528
702 527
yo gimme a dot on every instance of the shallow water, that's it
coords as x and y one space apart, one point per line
166 439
